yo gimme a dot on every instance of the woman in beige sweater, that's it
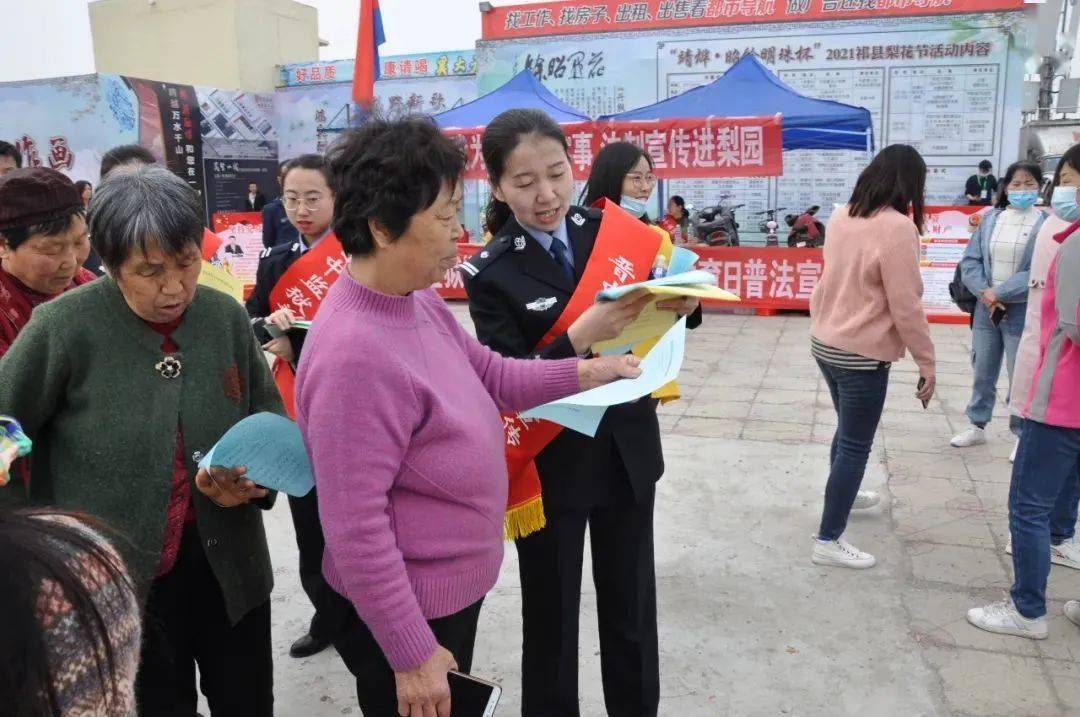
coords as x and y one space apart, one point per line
865 311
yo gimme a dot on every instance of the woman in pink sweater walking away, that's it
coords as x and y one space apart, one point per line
865 311
399 408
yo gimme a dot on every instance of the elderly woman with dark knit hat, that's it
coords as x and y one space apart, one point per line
122 384
43 244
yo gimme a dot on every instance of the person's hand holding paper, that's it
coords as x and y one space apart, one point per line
582 412
271 449
606 320
228 487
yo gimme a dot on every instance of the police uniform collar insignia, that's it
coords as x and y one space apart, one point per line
519 243
577 219
542 304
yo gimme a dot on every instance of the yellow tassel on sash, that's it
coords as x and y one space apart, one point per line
521 520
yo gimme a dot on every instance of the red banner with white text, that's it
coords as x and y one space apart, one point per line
679 148
567 17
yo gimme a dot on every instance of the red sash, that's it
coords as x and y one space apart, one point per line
623 254
302 288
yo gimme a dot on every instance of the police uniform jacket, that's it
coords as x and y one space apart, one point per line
274 262
516 292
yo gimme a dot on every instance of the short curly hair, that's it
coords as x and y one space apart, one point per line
388 172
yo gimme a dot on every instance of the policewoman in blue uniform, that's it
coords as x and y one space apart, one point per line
310 205
518 286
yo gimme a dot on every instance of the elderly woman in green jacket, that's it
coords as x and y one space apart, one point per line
122 386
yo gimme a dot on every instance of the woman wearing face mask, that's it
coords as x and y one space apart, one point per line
543 252
623 173
1064 549
309 204
996 268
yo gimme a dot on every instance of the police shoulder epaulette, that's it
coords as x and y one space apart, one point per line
483 258
278 249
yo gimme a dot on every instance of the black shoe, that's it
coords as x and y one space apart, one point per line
307 646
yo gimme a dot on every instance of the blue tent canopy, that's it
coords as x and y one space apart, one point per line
523 91
748 89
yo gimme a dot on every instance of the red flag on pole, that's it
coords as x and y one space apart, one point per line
369 36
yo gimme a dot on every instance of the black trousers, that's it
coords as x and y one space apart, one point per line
186 623
621 532
331 609
376 690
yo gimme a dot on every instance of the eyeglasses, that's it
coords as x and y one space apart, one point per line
309 203
639 178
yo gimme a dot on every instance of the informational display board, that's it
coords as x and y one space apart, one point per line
597 75
941 91
948 84
309 118
227 182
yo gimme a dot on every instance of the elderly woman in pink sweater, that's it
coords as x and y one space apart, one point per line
399 407
1047 464
865 311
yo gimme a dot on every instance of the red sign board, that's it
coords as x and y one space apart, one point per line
566 17
764 277
679 148
774 278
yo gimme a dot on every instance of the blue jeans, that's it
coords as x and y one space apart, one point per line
858 397
988 344
1042 500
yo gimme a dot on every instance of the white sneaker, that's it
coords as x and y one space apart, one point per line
1012 456
841 554
1002 618
1072 611
1067 554
866 499
973 436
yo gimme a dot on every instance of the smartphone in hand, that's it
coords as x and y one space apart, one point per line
998 314
919 387
471 696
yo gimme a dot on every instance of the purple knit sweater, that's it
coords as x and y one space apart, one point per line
399 408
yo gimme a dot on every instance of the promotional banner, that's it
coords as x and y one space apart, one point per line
571 16
704 147
69 123
169 126
770 278
947 231
241 235
426 64
227 182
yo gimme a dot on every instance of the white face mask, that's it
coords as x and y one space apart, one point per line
634 206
